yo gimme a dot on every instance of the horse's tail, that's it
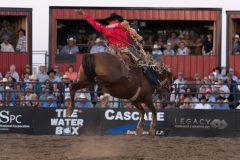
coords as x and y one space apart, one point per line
88 64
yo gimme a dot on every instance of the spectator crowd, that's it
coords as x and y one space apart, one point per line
219 90
7 37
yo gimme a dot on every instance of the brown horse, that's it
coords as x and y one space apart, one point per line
106 70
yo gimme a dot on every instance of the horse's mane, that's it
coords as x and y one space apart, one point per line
88 63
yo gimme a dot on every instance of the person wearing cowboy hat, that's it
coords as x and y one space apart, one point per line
71 47
98 47
236 45
42 75
52 76
115 33
169 50
221 105
156 52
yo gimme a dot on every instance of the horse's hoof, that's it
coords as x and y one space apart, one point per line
152 132
139 131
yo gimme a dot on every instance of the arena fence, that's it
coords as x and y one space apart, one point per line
49 121
20 94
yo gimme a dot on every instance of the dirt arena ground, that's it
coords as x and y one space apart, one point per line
25 147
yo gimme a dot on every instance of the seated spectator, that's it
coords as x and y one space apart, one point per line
71 47
127 104
156 52
236 45
180 82
98 47
158 104
82 101
186 104
203 104
6 31
51 101
42 75
197 82
212 78
21 102
13 73
223 87
210 98
34 100
28 96
215 90
198 42
187 39
208 45
52 76
43 96
36 85
58 73
169 50
234 77
9 97
57 93
26 78
6 46
67 101
221 105
183 50
70 73
174 40
21 43
160 43
26 69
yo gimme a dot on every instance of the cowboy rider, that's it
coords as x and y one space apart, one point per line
116 34
119 37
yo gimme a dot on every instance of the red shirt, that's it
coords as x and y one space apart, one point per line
115 33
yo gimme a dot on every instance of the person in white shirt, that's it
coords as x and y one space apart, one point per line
183 50
203 104
6 46
14 73
98 47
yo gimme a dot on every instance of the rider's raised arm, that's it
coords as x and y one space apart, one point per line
98 26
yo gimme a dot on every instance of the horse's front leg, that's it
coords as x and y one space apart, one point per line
140 125
73 88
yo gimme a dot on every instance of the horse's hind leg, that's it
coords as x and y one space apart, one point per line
153 124
73 88
140 125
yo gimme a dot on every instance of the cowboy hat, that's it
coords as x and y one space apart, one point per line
98 40
51 71
115 16
4 80
71 39
65 77
155 46
82 96
33 77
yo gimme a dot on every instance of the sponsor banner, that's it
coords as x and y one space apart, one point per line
201 122
56 122
122 121
16 120
118 121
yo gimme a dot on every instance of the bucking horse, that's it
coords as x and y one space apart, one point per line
107 71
